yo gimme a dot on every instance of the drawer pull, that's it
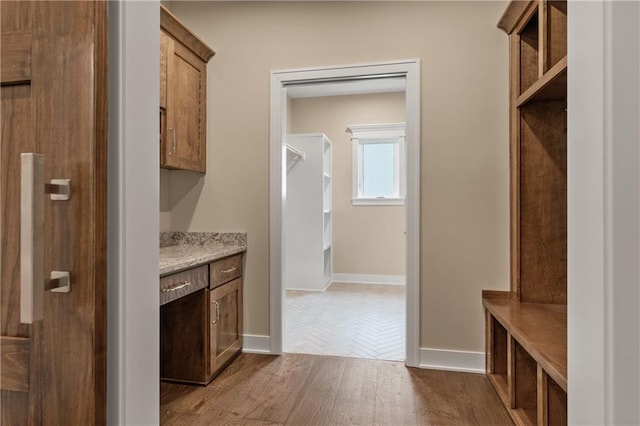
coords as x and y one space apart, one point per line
215 321
176 288
227 271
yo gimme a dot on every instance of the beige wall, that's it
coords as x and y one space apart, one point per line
464 84
165 200
366 239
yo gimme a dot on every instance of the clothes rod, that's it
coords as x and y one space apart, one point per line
296 152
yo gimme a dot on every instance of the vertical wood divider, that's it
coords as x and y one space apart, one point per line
511 377
514 169
543 37
488 342
543 398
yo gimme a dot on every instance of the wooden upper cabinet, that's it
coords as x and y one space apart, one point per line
183 96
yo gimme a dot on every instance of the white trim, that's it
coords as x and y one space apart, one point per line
255 344
369 279
133 300
377 201
410 69
603 237
377 131
449 360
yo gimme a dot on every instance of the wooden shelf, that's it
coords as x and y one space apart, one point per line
525 416
551 87
499 382
541 329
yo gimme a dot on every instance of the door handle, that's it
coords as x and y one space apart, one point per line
180 285
32 281
173 140
215 302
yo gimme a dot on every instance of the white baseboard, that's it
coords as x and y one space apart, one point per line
448 360
253 344
369 279
317 290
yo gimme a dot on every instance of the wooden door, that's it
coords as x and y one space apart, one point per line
225 324
54 102
184 143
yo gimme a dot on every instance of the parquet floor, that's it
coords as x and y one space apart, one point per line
300 390
349 320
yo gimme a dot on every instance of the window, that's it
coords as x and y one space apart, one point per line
378 164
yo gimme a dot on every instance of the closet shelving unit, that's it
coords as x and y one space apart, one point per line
526 328
309 214
327 219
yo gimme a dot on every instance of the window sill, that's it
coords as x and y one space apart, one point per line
377 201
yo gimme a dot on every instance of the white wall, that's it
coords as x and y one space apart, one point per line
165 200
133 303
604 213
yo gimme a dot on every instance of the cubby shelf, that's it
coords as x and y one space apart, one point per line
527 361
551 87
540 328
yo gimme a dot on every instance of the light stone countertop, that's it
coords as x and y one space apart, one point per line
185 250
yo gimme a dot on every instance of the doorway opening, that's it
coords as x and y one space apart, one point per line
375 76
344 249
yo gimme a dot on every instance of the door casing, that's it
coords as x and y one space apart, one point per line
410 69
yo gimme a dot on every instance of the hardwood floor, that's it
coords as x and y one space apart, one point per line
350 320
297 389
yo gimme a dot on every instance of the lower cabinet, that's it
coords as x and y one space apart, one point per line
225 324
201 333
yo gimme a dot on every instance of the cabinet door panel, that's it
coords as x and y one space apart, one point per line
225 324
228 332
186 86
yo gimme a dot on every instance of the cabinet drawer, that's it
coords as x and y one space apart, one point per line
224 270
186 282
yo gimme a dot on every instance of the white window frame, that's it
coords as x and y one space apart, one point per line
362 134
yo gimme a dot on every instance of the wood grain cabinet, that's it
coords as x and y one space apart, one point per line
201 333
526 328
225 324
183 91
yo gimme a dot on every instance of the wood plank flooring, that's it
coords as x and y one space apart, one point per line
297 389
350 320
